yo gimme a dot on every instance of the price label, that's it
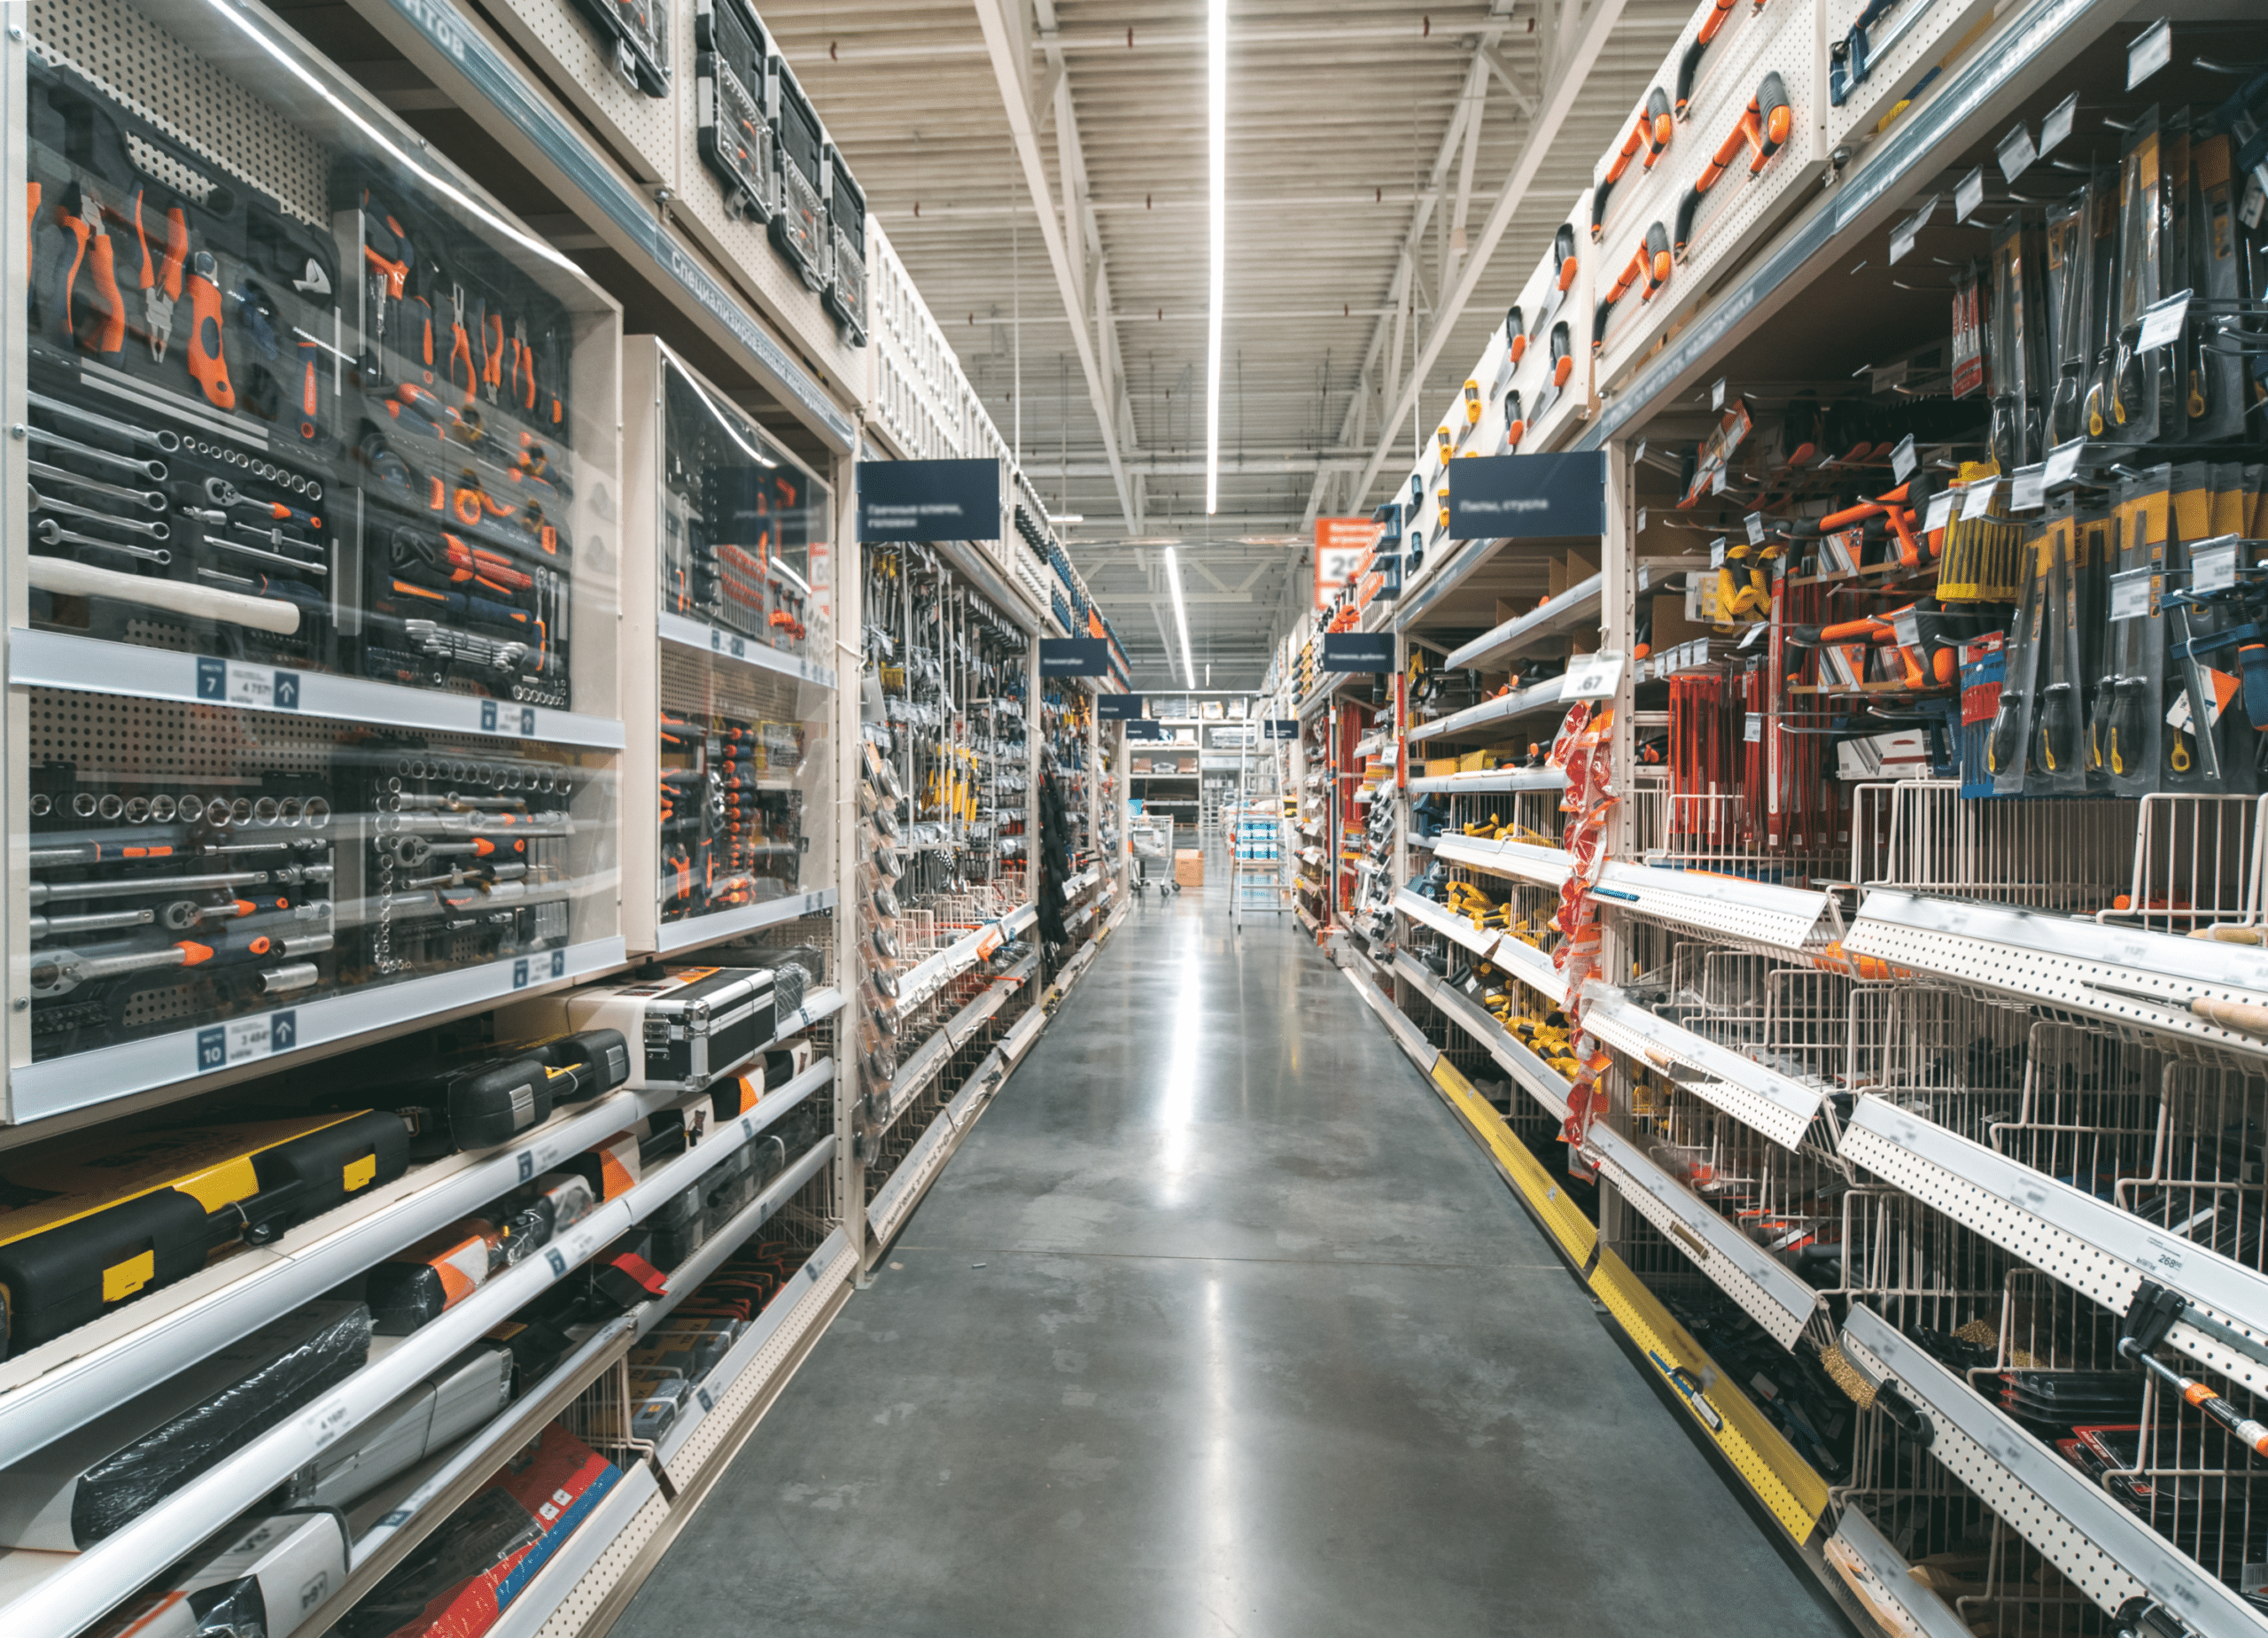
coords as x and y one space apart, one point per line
1749 638
1902 459
1977 500
2062 463
1754 524
2057 126
1967 194
1751 732
2027 489
2162 324
1901 242
1889 376
2151 50
2164 1257
240 1040
2130 594
1593 676
2015 152
328 1421
2212 568
226 682
1717 552
708 1404
1940 512
1642 526
1716 393
1907 625
1720 481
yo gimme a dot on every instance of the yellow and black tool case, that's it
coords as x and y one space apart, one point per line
89 1223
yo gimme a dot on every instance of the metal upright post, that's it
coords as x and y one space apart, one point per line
850 657
1618 635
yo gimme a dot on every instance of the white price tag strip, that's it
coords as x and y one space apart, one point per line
1940 511
1967 194
2016 152
2151 50
1977 500
1751 732
1902 459
2162 324
2057 126
1593 676
2027 489
1754 524
1717 552
1717 395
2062 463
2212 566
2130 594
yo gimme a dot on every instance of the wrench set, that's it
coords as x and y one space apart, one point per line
737 523
254 437
732 816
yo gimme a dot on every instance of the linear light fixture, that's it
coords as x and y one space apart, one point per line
1216 113
1180 619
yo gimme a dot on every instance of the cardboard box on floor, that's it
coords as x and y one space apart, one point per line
1188 867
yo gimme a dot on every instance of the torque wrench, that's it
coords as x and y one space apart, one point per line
164 442
58 971
152 469
42 503
52 534
154 500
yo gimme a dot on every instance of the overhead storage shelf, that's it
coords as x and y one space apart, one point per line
2104 1550
1799 921
1471 722
1484 781
1544 1083
2097 1248
1776 1105
1576 609
2155 984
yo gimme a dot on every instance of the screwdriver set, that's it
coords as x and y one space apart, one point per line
732 816
338 445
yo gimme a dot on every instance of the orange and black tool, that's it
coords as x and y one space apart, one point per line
1515 420
1562 354
1763 129
1515 334
310 390
522 368
462 372
1649 137
1651 262
102 333
207 365
1565 261
491 351
31 225
1689 67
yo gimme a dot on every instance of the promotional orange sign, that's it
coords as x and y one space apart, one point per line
1342 546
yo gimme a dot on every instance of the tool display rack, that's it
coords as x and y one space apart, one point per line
487 678
1913 1095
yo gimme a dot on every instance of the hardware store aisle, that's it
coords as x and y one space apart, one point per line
1219 1324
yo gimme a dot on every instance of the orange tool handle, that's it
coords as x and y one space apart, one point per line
492 349
31 226
206 365
176 252
1849 515
1909 549
309 388
146 277
1855 630
110 340
396 274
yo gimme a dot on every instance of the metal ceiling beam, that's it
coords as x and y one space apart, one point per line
1194 467
1004 36
1571 59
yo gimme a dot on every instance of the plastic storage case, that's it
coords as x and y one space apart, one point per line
302 594
740 690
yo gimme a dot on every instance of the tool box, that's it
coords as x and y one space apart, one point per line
95 1221
69 1494
687 1024
491 1100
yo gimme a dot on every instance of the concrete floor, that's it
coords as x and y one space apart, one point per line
1218 1324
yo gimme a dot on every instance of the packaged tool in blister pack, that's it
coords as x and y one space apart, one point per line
464 859
738 520
734 127
637 34
457 410
93 1221
2217 613
2132 701
181 345
157 901
799 229
2014 344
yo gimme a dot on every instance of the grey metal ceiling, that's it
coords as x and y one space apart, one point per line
1367 146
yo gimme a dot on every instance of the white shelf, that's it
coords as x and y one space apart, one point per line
1486 780
687 1276
82 1588
1801 920
1544 1083
1520 861
1536 697
91 665
695 931
939 968
581 1555
2098 1249
2120 976
2104 1550
1573 610
919 1066
1889 1579
739 648
1778 1106
80 1080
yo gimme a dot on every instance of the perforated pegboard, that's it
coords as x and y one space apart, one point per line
757 1377
2043 1222
138 62
1751 912
1774 1105
576 58
1929 40
110 737
2092 1569
589 1596
1738 212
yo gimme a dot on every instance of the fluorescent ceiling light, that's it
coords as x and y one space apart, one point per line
1180 619
1069 517
1216 114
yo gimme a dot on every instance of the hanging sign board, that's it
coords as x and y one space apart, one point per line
1117 707
929 499
1342 546
1074 656
1528 497
1280 728
1358 651
1143 728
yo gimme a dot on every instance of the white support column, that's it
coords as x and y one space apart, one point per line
850 657
1618 634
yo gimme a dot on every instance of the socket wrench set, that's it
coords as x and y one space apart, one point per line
324 427
732 816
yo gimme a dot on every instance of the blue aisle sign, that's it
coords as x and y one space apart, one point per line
1144 728
1280 728
1074 656
929 499
1528 497
1358 651
1117 707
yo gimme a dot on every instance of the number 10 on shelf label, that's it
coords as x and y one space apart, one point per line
240 1040
721 643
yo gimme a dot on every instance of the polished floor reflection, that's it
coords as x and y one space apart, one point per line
1219 1324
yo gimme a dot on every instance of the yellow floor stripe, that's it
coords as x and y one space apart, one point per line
1783 1481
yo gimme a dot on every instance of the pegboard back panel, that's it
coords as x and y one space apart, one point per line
120 49
1908 42
1736 209
218 746
573 56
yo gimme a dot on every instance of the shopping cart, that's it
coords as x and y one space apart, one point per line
1152 841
